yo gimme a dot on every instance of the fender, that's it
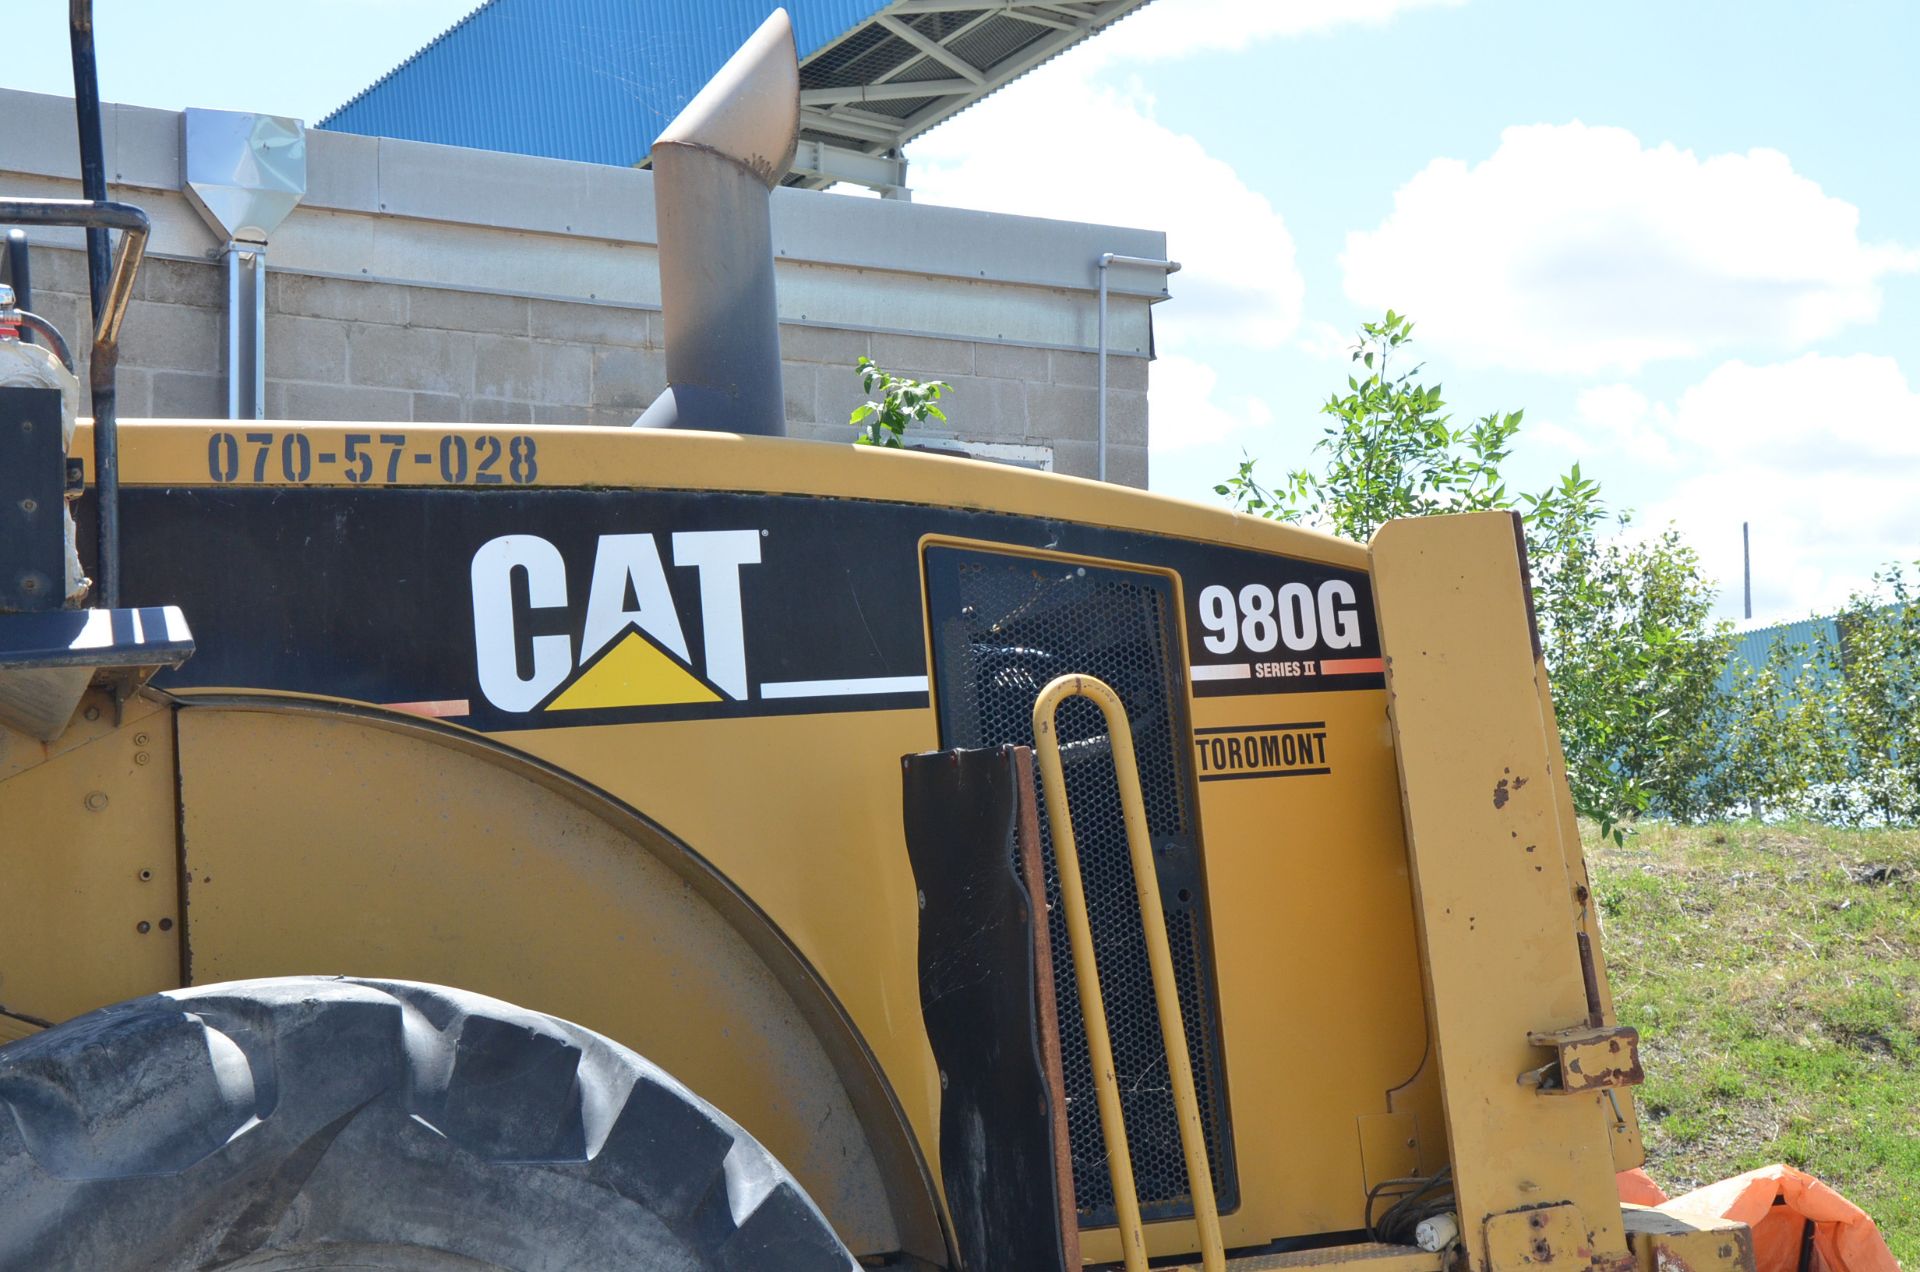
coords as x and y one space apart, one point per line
319 837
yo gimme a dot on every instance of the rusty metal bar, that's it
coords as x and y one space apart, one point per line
1086 973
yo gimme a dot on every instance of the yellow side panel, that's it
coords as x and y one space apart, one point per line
1389 1147
1628 1150
89 894
802 813
12 1029
1315 955
1318 970
1491 876
319 843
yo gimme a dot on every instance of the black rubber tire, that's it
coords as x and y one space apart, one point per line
331 1122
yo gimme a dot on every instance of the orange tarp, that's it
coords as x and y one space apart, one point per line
1844 1237
1637 1187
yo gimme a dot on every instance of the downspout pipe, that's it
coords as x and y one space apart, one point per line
1108 259
244 174
715 168
246 331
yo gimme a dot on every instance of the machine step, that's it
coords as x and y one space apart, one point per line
1374 1256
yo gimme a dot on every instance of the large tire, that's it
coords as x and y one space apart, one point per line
322 1122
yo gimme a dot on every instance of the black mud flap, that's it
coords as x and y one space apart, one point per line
987 997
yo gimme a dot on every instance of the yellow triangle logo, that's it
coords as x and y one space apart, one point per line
634 672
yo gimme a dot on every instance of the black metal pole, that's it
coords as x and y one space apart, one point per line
20 275
93 185
93 156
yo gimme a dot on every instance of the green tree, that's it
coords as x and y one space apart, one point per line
1829 728
1624 620
1875 701
1391 451
1635 659
1776 735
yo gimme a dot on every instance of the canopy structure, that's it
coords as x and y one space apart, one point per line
596 80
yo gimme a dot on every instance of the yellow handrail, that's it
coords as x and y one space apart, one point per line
1086 973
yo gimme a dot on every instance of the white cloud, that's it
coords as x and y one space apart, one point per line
1186 411
1105 159
1577 249
1820 454
1619 420
1175 28
1817 413
1324 342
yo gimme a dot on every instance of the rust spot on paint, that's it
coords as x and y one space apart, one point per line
1500 793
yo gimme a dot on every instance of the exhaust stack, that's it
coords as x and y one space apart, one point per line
715 168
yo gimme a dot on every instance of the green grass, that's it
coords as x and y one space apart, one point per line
1774 975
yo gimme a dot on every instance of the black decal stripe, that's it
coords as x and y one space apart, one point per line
1234 777
838 594
1262 728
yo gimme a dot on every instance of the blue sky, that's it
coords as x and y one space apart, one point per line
1684 236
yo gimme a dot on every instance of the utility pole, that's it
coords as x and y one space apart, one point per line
1746 567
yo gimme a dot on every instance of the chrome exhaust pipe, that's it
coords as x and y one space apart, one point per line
715 168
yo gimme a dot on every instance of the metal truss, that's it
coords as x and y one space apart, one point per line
917 63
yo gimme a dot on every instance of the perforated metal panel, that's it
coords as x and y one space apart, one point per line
1003 626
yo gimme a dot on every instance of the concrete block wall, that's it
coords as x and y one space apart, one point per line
454 311
1000 394
339 349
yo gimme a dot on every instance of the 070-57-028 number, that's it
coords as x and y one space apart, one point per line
372 459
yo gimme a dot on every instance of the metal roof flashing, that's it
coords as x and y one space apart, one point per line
445 216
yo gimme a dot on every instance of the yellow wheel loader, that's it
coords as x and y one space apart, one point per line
995 870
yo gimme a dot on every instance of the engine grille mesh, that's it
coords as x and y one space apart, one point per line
1003 627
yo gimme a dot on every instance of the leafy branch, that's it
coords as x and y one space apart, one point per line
1624 624
894 403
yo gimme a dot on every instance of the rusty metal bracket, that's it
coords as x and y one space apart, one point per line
1521 1240
1590 1058
1668 1243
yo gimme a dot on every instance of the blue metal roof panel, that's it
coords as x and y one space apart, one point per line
592 80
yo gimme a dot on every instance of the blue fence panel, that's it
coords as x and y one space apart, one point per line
1752 649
